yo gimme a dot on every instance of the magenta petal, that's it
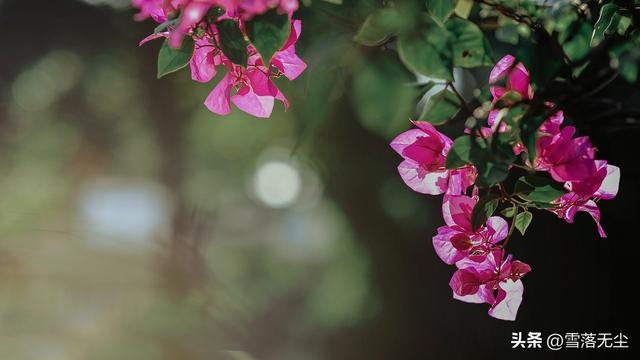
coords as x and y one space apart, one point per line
153 37
519 81
400 142
464 282
289 63
591 208
443 246
258 106
202 64
483 295
501 68
191 15
498 227
296 30
497 92
456 210
609 188
508 300
460 180
218 100
574 170
433 183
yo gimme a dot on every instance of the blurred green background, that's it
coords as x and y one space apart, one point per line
134 224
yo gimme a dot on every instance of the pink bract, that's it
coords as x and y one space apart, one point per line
602 184
458 239
250 88
492 281
424 150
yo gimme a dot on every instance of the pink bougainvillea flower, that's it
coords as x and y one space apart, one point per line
255 93
491 281
206 56
564 157
424 151
517 78
286 60
582 196
458 239
155 9
192 14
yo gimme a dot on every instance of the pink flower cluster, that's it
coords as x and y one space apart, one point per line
485 272
251 87
569 160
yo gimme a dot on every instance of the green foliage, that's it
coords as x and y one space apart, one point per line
460 153
508 212
232 42
440 10
440 107
171 60
539 188
268 32
427 53
467 43
522 221
383 95
576 39
607 22
484 208
492 161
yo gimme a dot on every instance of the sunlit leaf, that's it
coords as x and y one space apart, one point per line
440 107
427 53
440 10
467 43
539 188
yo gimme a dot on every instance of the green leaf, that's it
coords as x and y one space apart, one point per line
467 43
539 188
459 154
607 12
483 210
171 60
492 162
232 42
440 107
629 70
268 32
379 27
575 41
440 10
508 212
427 53
382 95
522 221
529 133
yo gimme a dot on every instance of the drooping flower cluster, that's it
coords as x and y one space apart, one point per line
485 272
220 37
